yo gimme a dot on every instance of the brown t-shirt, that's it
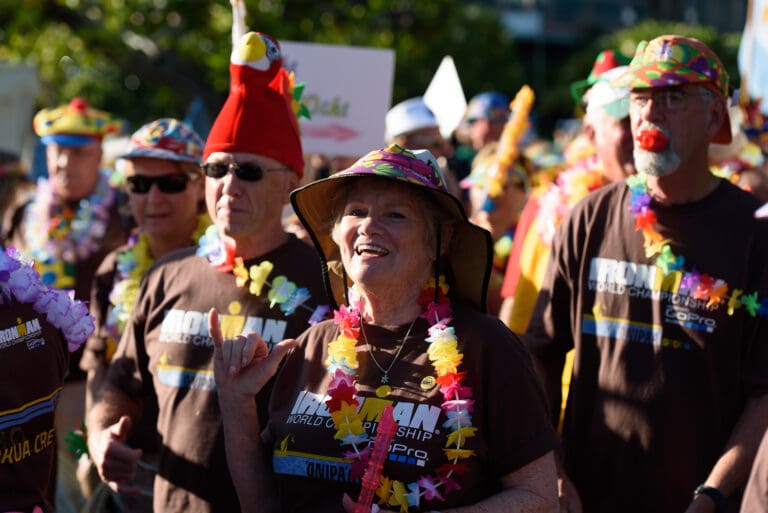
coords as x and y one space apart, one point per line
660 378
166 347
33 360
116 233
95 351
144 435
509 412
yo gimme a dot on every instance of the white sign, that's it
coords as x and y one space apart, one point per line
18 87
753 53
348 92
445 97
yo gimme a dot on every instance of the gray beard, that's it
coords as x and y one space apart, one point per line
654 163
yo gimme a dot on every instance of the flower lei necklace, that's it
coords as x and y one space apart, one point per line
749 157
282 291
132 265
571 186
58 237
343 400
698 285
20 282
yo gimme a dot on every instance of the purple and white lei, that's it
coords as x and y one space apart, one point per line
20 282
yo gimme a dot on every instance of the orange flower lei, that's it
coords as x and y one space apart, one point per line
343 404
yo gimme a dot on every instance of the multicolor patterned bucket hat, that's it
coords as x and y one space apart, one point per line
673 60
74 124
166 139
470 251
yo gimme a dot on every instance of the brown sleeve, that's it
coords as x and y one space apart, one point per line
129 369
94 354
516 423
549 336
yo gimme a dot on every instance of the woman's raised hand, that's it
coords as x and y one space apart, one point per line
243 365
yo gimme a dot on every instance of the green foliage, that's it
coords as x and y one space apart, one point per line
577 65
726 46
142 59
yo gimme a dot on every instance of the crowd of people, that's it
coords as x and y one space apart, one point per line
609 294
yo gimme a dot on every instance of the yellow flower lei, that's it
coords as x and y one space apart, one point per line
343 404
132 264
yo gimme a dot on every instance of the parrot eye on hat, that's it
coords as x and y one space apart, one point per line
74 124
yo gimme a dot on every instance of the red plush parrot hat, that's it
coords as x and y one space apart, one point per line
259 115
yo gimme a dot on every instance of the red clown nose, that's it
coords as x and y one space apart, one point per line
652 140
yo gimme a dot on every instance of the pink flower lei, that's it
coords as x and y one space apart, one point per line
343 400
698 285
570 187
20 282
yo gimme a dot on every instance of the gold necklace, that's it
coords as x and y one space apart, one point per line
384 389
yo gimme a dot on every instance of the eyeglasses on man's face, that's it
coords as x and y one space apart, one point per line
671 100
170 184
246 171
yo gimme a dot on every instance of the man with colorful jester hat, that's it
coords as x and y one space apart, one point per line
659 283
472 430
255 277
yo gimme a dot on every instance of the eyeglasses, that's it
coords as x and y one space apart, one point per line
671 100
169 184
246 171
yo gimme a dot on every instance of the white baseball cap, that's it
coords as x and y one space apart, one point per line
602 95
407 116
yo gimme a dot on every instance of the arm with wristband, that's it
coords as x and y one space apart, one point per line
732 468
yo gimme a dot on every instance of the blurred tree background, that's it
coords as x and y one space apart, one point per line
143 59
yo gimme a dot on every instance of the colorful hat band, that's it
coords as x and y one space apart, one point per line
68 139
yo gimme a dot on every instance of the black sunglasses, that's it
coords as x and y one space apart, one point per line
169 184
246 171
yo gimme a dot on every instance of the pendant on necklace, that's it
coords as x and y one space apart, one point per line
383 391
428 383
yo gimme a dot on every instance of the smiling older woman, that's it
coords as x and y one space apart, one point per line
472 431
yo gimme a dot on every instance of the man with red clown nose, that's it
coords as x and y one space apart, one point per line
248 274
659 283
